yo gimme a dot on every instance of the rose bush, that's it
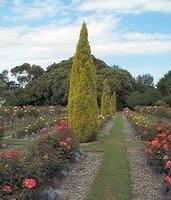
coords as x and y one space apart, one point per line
103 119
157 111
12 173
15 115
21 175
157 139
31 129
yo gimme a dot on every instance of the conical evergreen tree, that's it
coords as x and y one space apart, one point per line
82 102
105 100
113 103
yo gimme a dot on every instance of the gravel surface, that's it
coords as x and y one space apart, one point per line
145 184
106 128
77 184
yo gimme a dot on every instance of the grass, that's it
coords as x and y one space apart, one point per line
21 145
113 180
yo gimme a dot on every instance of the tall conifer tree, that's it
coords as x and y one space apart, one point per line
113 103
105 100
82 102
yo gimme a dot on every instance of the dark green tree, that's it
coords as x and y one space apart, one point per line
52 87
36 72
164 87
3 80
26 73
150 96
22 73
144 82
135 98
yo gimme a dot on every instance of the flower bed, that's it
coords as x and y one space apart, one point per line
27 122
157 140
157 111
103 119
12 116
23 175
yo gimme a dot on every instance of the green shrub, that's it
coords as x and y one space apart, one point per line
113 108
82 102
105 100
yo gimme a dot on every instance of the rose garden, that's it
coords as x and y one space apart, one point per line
89 148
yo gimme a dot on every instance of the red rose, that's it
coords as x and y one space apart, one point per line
159 128
7 189
58 128
149 151
43 130
10 154
162 135
169 138
168 164
45 156
168 179
15 153
166 147
63 123
30 183
155 142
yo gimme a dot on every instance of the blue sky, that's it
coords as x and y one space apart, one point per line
135 34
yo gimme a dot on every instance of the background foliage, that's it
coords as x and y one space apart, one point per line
52 86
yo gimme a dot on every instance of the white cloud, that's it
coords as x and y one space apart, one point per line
44 45
126 6
47 44
133 48
27 11
133 43
35 9
136 36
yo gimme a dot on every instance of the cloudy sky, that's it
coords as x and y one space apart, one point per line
135 34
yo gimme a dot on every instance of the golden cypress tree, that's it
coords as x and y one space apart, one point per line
113 103
82 101
105 99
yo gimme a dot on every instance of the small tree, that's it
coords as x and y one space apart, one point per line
105 100
82 102
113 103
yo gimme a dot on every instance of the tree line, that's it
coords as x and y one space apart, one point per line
36 86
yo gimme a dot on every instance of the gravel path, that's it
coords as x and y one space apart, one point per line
106 128
145 184
77 184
